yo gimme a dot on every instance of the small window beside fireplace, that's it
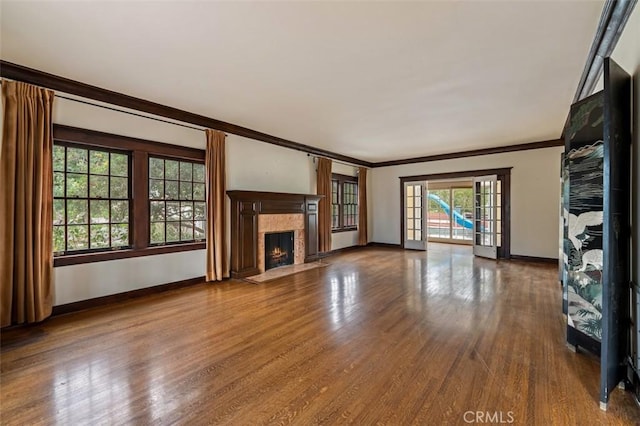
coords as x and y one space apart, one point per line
278 249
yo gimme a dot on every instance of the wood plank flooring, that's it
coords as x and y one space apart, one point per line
380 336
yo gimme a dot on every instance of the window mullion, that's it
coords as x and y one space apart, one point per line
66 215
140 201
341 203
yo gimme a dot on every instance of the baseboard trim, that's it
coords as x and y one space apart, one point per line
82 305
536 259
386 245
350 248
342 250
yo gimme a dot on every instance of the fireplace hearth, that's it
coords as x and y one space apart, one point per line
278 249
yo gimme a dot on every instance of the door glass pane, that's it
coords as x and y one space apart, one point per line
439 210
462 224
485 220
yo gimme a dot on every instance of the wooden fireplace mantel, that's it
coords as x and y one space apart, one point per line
246 206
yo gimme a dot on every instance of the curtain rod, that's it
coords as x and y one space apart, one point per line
124 111
129 112
336 161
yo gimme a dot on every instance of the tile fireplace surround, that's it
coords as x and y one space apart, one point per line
268 223
255 213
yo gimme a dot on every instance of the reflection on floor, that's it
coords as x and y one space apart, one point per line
283 271
378 336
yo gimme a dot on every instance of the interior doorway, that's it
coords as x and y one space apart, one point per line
471 207
450 211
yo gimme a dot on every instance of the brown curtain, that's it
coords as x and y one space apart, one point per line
217 266
26 204
362 207
324 206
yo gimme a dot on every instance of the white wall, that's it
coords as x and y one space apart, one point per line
251 165
86 281
258 166
535 196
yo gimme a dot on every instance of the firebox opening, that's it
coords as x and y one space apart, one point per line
278 249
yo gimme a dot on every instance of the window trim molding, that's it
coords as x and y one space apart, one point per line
341 180
88 198
140 150
177 200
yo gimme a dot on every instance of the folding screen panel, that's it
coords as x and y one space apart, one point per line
617 228
596 249
583 250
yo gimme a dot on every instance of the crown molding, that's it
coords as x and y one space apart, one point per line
473 153
57 83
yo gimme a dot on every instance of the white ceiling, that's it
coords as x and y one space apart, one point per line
376 81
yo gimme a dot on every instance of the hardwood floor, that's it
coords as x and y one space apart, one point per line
381 336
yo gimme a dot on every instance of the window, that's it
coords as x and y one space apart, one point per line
344 203
350 204
91 199
177 201
117 197
335 204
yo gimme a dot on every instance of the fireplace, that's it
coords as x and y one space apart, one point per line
255 214
278 249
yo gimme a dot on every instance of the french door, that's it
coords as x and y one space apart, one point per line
414 214
486 217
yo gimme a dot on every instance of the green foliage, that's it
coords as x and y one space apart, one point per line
77 212
99 236
462 200
58 184
173 231
93 221
186 171
119 211
186 211
186 190
58 158
77 237
99 186
198 191
592 322
119 187
171 169
77 160
156 168
99 211
157 232
76 185
95 213
99 162
119 164
199 211
198 173
58 239
156 189
120 235
171 190
157 211
172 210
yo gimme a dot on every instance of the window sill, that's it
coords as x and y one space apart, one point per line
77 259
337 231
